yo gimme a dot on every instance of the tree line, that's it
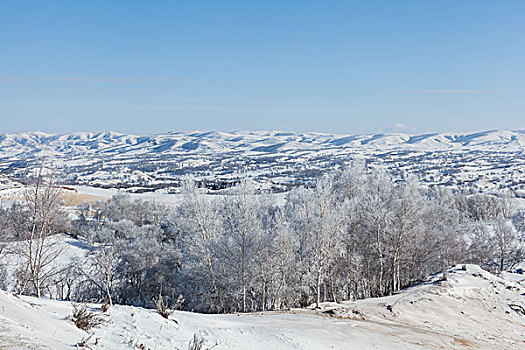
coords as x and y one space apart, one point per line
352 234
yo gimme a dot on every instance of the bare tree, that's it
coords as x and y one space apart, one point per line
4 222
42 216
102 266
508 250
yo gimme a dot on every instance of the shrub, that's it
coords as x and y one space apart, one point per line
83 318
162 307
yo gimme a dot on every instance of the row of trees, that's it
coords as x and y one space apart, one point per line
352 234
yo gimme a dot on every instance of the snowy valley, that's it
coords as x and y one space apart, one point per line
479 162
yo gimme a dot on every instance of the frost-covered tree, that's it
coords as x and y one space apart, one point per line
317 218
406 225
374 221
352 234
146 266
243 237
508 250
4 222
199 221
444 221
518 220
497 242
101 269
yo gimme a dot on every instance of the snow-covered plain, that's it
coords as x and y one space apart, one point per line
473 309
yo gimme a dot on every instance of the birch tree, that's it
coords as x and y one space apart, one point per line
242 239
508 250
318 220
375 220
42 217
199 220
406 223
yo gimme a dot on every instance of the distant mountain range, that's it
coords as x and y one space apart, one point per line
275 159
248 141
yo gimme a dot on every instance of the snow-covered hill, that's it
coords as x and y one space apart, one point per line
248 141
473 309
483 161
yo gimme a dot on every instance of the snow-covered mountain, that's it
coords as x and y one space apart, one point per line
275 159
249 141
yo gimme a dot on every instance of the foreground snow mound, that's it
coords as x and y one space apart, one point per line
30 323
472 309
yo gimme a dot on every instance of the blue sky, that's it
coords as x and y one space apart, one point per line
331 66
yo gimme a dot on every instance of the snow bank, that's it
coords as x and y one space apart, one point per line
474 307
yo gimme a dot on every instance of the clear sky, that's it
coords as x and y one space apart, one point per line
331 66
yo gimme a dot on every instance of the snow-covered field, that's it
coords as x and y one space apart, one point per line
473 309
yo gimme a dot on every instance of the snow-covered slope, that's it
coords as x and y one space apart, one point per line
29 323
473 309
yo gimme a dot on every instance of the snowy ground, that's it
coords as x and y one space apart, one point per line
473 309
74 195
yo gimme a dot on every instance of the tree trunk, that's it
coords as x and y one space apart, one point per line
243 297
108 291
318 299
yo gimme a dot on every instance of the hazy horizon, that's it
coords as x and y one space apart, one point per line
384 131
